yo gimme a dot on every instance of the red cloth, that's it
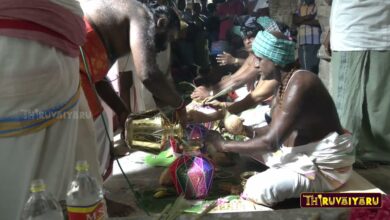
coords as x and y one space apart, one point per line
233 7
382 213
49 16
233 95
30 26
98 63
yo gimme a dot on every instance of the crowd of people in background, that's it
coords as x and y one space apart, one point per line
214 28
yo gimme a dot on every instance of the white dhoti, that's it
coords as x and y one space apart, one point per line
316 167
141 99
104 136
36 78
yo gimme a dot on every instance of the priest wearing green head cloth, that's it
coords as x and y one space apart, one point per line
248 71
304 145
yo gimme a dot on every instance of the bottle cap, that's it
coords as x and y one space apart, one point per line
38 185
82 165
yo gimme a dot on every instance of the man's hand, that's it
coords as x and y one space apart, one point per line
326 44
215 104
181 116
200 93
122 117
225 59
214 141
194 116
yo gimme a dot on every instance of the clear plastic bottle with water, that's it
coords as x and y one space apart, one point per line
41 205
85 198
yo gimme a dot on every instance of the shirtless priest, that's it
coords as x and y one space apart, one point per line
304 145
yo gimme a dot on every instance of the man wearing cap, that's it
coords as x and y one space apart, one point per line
247 31
249 68
304 145
252 103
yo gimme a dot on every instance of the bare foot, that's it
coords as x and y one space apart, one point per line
116 209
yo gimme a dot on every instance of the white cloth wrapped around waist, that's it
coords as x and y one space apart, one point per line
333 157
141 99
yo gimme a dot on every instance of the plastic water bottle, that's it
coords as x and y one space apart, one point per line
84 199
41 205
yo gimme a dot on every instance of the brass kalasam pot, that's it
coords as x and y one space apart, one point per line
149 131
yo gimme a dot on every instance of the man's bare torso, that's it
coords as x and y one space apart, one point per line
111 18
316 116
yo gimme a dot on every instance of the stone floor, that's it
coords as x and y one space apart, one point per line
290 214
379 176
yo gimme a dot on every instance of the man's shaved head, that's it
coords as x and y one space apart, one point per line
172 24
159 11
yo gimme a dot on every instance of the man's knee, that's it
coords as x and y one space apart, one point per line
273 186
259 191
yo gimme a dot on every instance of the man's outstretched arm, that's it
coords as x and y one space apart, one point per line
284 120
263 91
144 56
109 96
244 74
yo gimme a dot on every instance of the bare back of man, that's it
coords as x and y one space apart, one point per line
129 26
112 20
306 108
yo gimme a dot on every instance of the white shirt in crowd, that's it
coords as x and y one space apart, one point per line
260 4
358 25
